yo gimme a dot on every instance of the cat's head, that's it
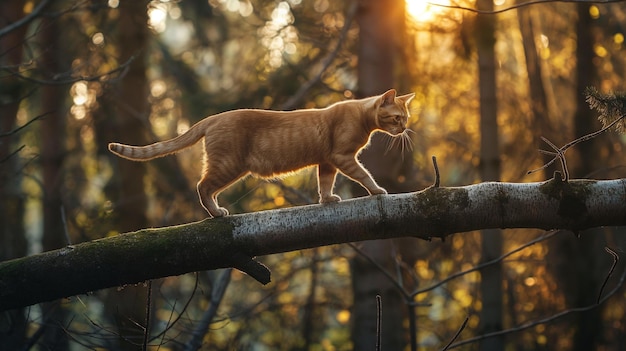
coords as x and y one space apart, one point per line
392 113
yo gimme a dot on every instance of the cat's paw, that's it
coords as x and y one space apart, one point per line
378 191
331 198
219 212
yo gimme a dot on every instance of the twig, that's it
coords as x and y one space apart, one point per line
523 4
302 198
304 88
93 323
615 259
24 20
583 138
437 179
146 329
458 333
382 269
544 320
180 314
217 295
46 321
408 297
122 69
379 321
9 133
560 154
12 154
485 264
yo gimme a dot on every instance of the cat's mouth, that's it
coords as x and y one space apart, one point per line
394 131
398 131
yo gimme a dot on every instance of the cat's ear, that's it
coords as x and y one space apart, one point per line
388 98
407 98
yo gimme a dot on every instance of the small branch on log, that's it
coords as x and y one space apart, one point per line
437 176
248 265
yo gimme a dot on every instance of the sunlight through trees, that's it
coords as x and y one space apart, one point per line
76 75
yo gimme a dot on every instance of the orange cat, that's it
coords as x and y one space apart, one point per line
269 143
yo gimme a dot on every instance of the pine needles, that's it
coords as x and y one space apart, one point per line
611 108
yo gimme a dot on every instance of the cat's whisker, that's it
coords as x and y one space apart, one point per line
409 130
402 145
407 138
406 146
402 141
391 143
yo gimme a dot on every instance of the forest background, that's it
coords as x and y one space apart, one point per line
491 78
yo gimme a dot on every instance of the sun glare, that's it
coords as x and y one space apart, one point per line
425 10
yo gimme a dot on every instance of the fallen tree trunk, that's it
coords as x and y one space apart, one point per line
233 241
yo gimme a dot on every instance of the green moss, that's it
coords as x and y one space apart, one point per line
436 204
118 260
572 196
443 198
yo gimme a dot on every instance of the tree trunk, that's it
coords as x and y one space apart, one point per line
578 261
52 153
127 190
540 113
12 239
380 26
491 248
52 138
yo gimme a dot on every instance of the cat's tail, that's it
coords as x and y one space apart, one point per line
159 149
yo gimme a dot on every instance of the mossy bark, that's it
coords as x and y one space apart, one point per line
146 254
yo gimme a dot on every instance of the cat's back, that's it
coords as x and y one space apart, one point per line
273 142
259 119
252 123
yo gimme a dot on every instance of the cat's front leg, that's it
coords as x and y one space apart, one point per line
326 174
377 191
352 168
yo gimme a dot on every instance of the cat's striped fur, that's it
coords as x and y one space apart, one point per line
270 143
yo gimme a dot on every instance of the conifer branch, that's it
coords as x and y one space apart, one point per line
611 107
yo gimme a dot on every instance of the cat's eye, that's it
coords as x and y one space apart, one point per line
395 118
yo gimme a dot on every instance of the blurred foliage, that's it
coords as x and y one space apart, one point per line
206 57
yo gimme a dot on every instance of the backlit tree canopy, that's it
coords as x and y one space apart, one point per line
76 75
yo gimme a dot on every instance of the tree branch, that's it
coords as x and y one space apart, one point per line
222 242
26 19
299 95
521 4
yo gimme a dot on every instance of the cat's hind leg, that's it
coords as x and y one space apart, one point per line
211 184
326 174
